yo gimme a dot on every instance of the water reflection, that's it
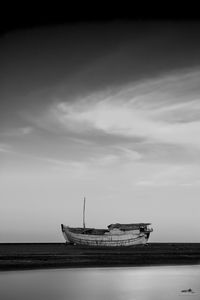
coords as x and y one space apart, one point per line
144 283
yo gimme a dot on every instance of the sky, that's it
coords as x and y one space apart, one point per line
105 110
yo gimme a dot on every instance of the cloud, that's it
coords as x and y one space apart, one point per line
5 147
156 119
23 158
185 112
171 176
156 109
21 131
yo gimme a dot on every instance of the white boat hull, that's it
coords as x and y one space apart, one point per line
128 238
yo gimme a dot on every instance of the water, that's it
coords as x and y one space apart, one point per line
142 283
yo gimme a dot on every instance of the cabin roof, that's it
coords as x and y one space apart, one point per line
132 225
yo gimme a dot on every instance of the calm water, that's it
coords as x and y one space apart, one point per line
156 283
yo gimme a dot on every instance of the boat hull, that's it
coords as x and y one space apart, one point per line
105 240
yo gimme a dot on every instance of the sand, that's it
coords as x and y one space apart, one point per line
59 255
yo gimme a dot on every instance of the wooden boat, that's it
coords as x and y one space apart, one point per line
117 235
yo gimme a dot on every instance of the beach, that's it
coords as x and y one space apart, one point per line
24 256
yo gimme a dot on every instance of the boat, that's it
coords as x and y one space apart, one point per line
116 235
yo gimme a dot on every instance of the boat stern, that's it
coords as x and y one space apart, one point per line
147 232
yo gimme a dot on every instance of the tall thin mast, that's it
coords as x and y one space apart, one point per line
84 214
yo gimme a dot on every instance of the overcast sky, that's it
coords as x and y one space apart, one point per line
110 111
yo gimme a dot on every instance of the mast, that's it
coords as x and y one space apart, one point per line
84 214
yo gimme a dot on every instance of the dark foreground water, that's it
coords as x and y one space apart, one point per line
142 283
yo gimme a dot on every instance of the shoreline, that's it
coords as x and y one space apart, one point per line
35 268
89 268
33 256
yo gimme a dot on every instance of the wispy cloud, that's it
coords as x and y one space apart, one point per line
4 147
156 119
171 176
160 111
154 108
21 131
27 157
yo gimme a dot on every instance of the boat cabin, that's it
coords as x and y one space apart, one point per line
142 227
